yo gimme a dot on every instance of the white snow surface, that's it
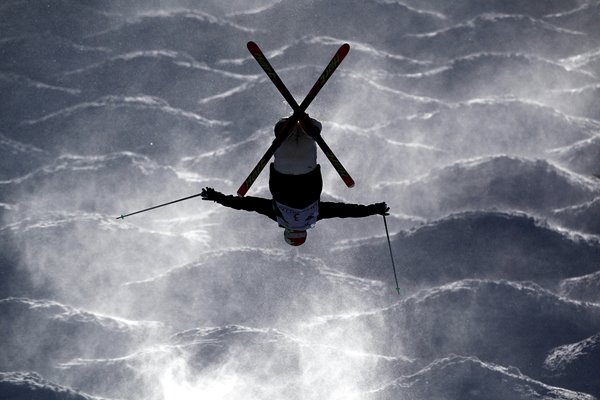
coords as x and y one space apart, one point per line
477 122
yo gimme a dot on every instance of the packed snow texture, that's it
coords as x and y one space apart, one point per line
477 122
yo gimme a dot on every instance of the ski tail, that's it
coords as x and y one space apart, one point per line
335 162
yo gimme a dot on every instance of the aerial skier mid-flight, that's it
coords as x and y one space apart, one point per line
295 183
295 177
295 180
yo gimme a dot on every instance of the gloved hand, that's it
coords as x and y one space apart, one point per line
308 126
209 193
380 208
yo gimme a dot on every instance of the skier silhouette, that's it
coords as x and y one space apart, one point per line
296 184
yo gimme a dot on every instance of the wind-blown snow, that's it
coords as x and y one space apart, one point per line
463 377
477 122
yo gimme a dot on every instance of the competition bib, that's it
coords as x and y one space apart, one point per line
297 219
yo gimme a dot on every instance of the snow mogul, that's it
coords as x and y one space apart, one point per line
295 182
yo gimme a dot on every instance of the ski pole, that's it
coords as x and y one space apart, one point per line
391 255
158 206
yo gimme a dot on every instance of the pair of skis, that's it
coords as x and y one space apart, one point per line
299 110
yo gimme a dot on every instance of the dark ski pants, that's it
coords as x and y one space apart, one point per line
297 191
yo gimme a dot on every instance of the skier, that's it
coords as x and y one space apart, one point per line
296 183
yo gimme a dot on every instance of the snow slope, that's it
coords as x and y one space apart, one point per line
213 291
29 385
492 320
144 124
487 74
457 377
477 123
498 182
584 288
565 362
489 245
49 332
499 32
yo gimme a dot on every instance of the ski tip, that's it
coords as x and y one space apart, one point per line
252 46
345 48
349 181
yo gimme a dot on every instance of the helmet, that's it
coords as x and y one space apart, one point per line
294 237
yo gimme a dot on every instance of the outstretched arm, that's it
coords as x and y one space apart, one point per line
248 203
344 210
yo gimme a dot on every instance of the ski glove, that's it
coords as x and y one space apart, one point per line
309 126
380 208
209 193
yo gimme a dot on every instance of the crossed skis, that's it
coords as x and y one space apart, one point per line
299 110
